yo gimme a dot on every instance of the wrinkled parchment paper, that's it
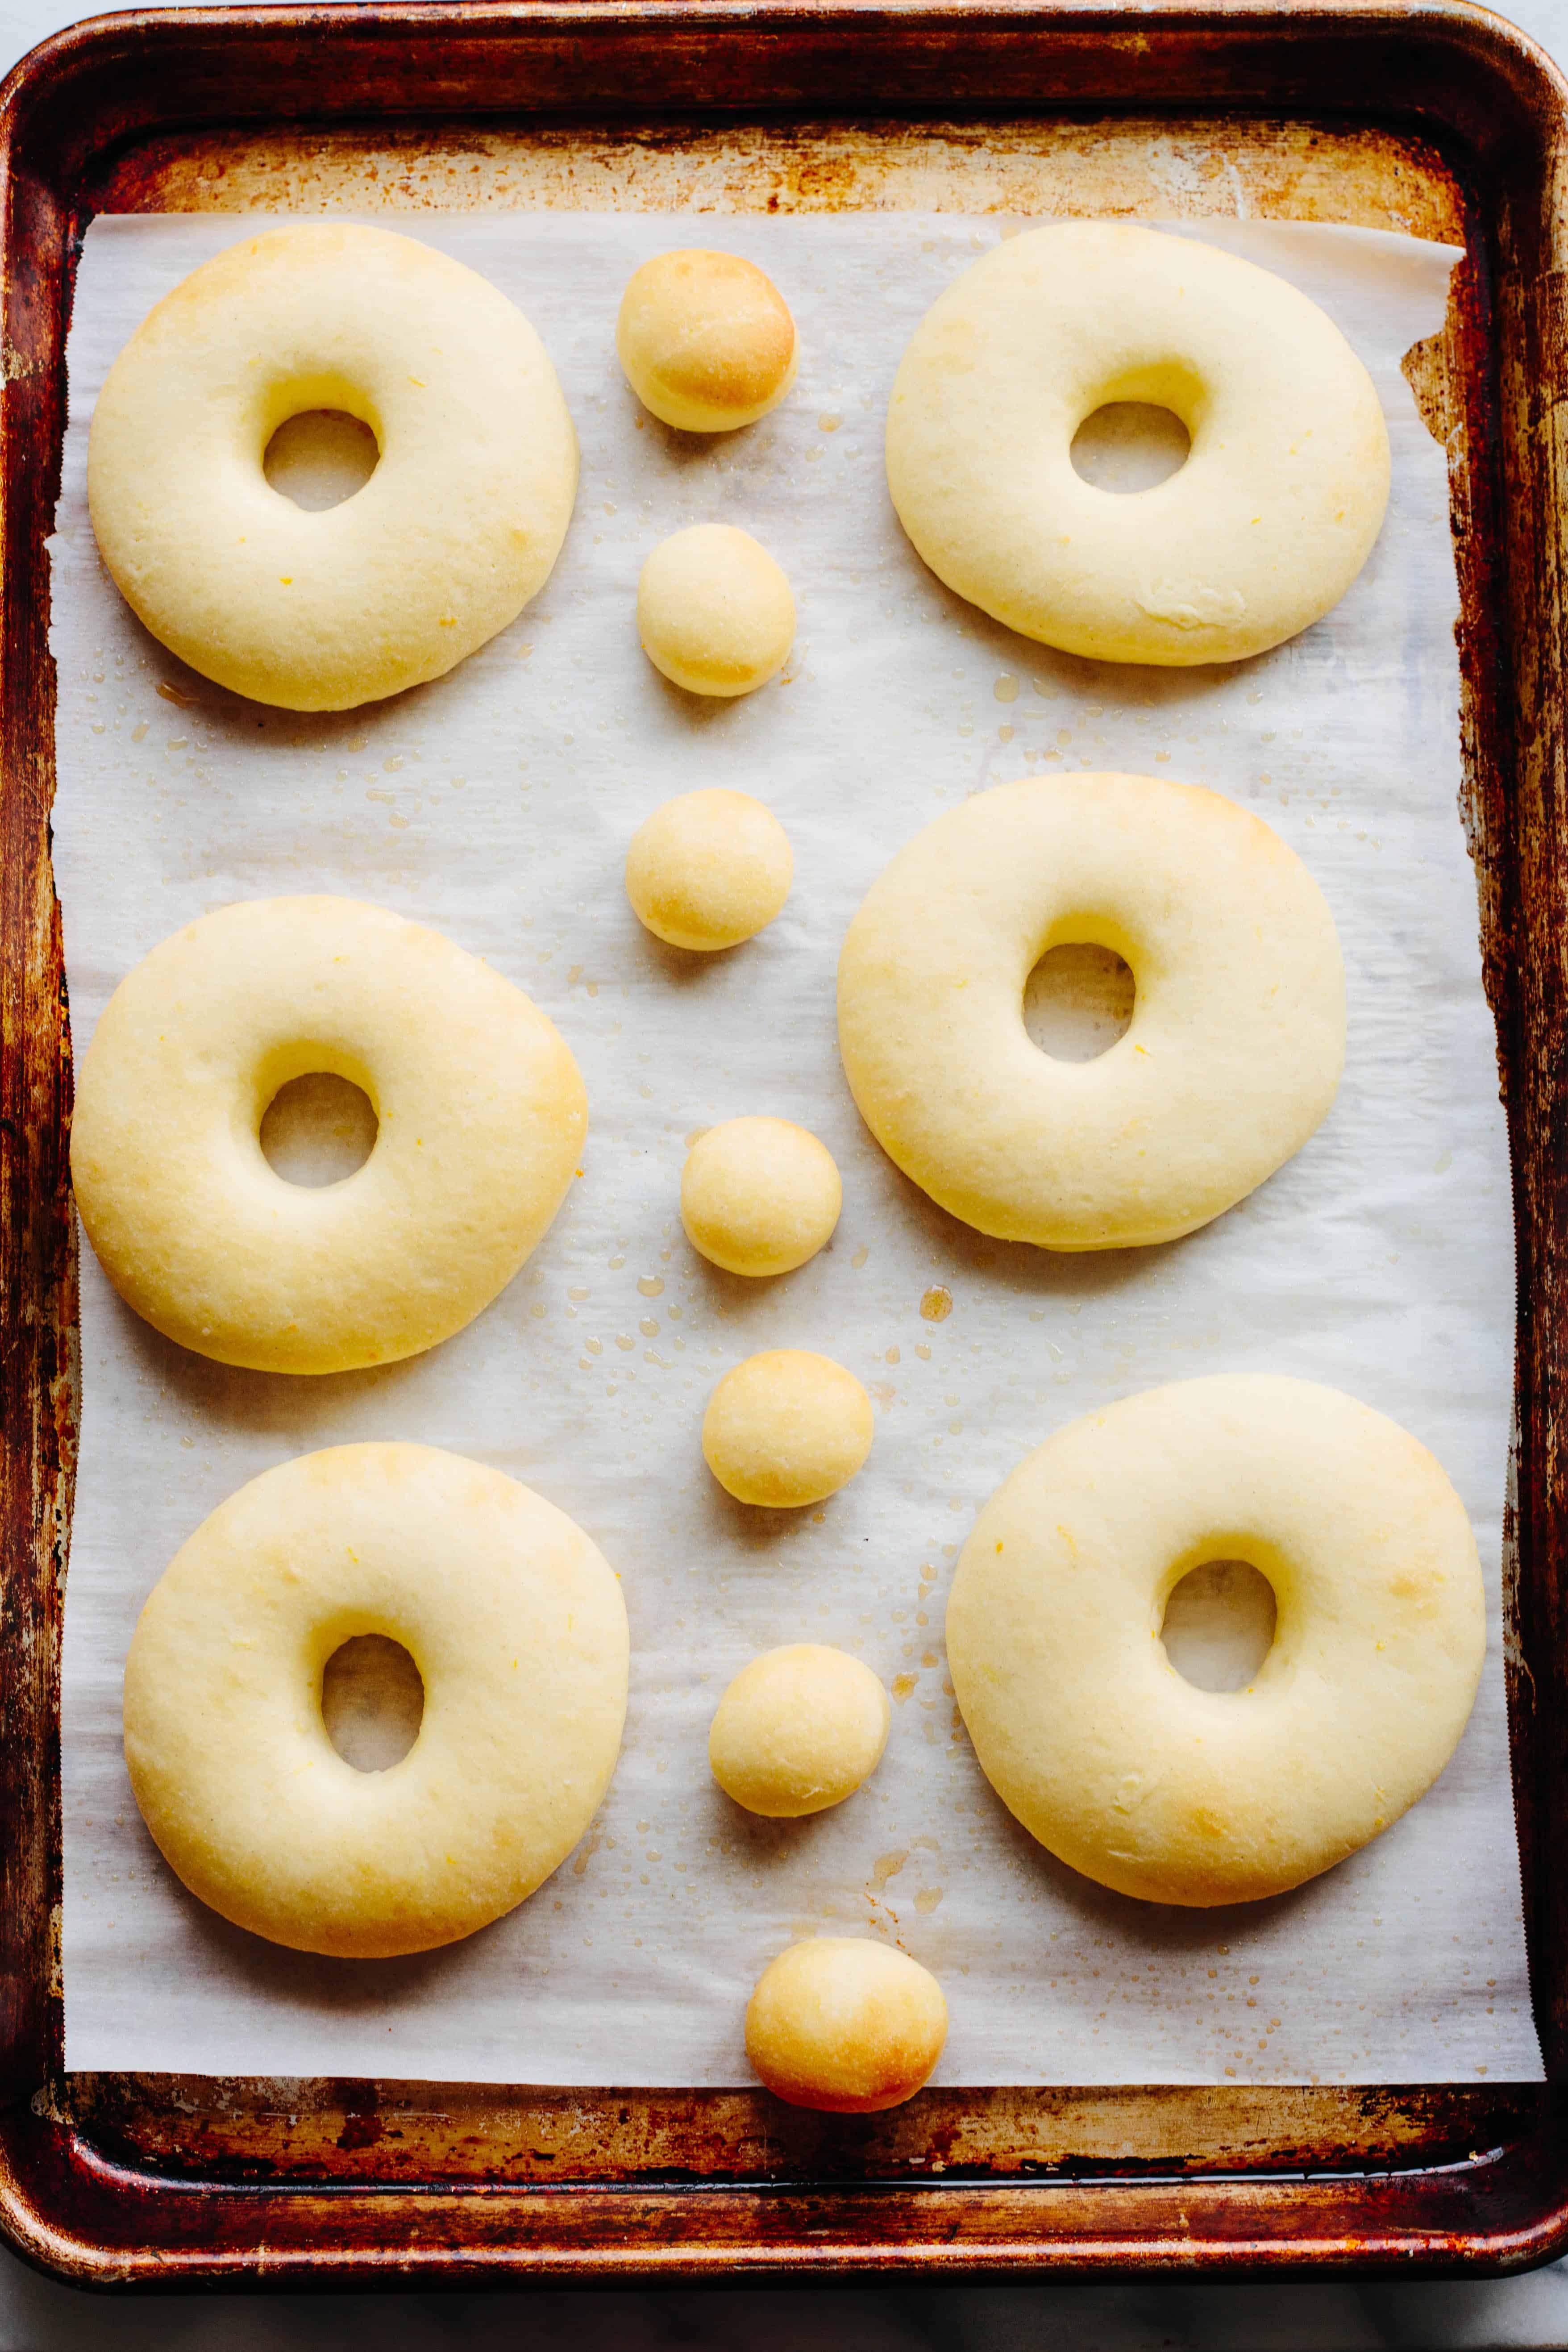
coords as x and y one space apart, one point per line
497 805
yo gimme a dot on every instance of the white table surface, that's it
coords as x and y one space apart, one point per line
38 2315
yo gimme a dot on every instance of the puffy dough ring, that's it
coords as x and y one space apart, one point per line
481 1112
456 530
1088 1733
518 1628
1237 1036
1259 534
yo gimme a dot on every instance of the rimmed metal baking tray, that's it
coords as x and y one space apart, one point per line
1436 119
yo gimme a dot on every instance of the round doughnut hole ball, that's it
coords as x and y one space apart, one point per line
706 342
798 1731
709 869
759 1196
845 2025
786 1428
714 612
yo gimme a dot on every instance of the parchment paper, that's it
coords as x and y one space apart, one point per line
496 806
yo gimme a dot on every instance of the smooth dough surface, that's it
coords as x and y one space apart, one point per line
1257 535
798 1729
456 527
517 1626
760 1196
714 612
480 1109
1127 1773
786 1428
846 2025
709 869
1238 1035
706 340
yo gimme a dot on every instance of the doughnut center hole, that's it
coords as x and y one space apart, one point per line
1078 1002
1129 445
321 457
318 1129
372 1701
1219 1624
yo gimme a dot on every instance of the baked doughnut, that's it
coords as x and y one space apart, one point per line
786 1428
480 1117
1257 535
798 1731
1238 1035
455 530
845 2025
1104 1752
706 342
759 1196
709 869
519 1631
714 612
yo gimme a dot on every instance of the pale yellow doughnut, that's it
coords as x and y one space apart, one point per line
1237 1036
706 340
714 612
1087 1732
517 1629
786 1428
797 1730
1257 535
843 2024
481 1112
709 869
456 527
760 1196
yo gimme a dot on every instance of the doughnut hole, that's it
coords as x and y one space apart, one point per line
372 1701
706 340
715 614
1129 445
318 1129
759 1196
709 869
845 2025
786 1428
797 1730
1078 1002
1219 1624
321 457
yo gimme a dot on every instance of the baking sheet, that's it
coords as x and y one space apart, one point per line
497 805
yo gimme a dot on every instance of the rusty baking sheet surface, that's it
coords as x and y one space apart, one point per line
1444 124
